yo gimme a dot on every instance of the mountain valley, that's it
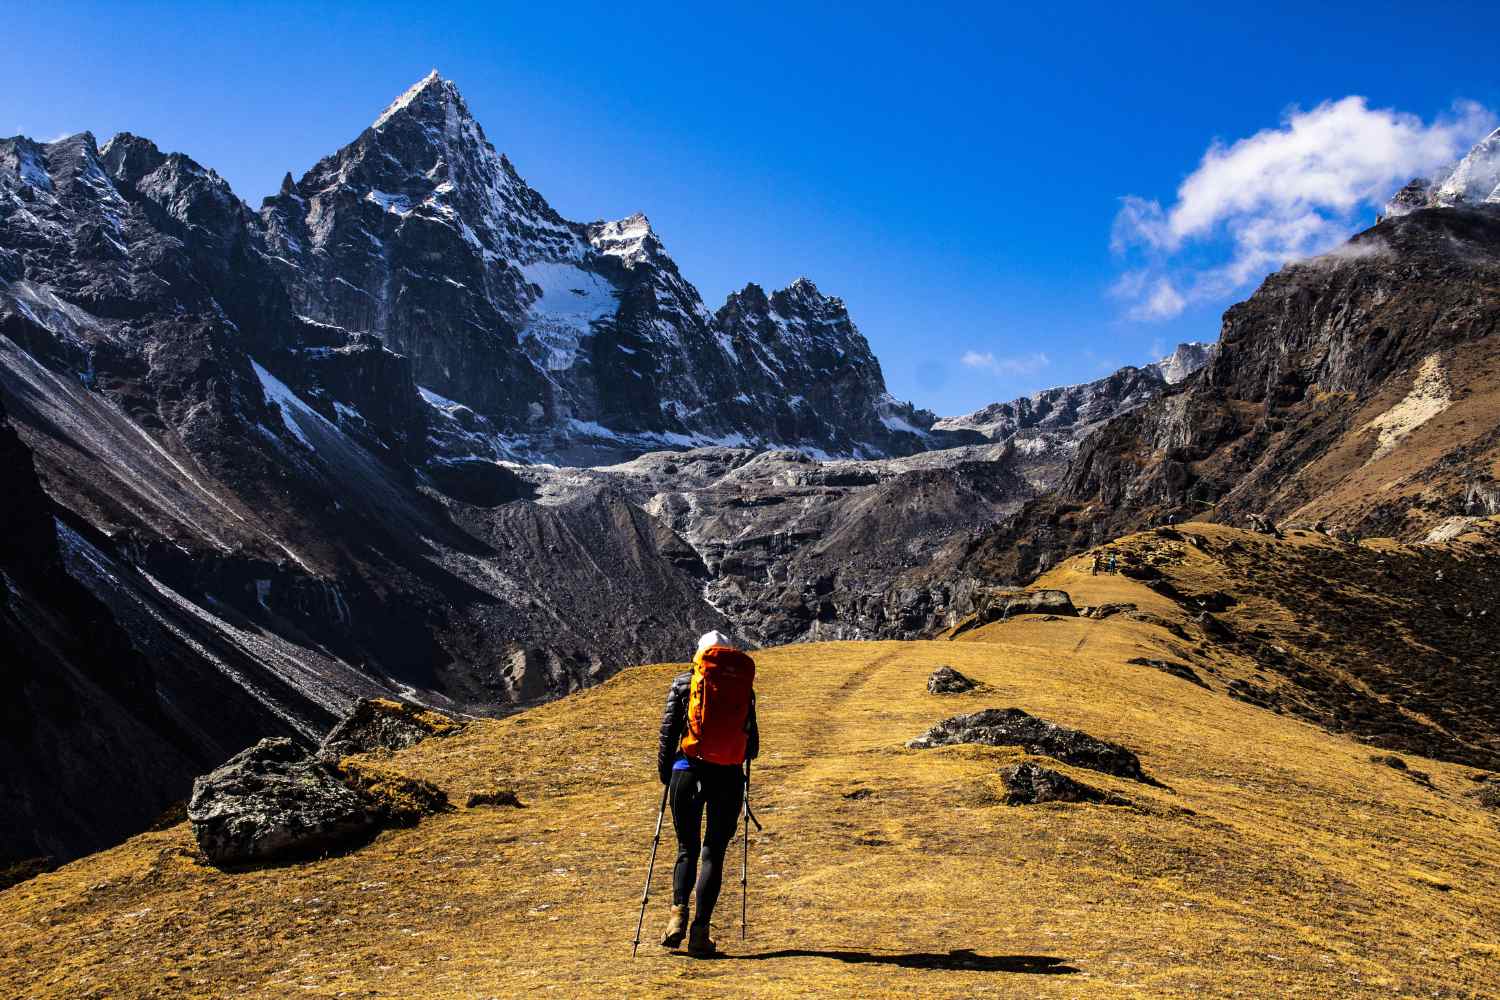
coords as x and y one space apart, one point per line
405 432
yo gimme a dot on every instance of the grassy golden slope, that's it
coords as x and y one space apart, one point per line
1392 643
1281 862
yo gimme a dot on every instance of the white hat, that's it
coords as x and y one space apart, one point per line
715 638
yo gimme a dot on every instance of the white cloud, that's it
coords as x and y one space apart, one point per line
1158 301
1282 194
1029 364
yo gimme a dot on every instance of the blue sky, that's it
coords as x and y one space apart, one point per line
956 174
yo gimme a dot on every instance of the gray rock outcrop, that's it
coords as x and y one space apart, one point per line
1012 727
1006 603
275 802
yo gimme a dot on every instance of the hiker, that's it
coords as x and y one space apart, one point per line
707 732
1112 564
1094 565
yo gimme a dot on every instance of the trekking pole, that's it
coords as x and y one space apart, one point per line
646 893
745 858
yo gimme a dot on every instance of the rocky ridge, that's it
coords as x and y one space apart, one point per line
1077 409
796 548
1349 392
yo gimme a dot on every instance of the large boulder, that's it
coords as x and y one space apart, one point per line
275 802
1011 727
1007 603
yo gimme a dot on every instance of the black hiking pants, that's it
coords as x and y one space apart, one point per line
718 790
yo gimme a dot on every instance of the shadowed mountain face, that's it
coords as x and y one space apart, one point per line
246 504
96 730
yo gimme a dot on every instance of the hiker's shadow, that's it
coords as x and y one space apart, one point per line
958 960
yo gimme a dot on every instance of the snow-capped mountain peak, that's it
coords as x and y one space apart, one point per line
803 290
628 238
553 331
432 88
1476 178
1184 360
1473 180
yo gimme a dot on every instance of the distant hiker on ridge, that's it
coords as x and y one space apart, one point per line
707 731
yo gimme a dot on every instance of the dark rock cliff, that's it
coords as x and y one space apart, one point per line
1318 375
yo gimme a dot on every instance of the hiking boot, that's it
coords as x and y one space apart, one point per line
699 943
676 927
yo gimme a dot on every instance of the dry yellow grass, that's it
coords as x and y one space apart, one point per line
1280 862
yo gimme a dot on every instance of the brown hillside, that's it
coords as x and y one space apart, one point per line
1277 859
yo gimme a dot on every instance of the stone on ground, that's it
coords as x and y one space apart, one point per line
946 680
1181 670
1029 783
1011 727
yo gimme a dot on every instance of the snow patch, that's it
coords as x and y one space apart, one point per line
674 439
442 403
348 413
900 426
32 172
293 410
396 204
571 300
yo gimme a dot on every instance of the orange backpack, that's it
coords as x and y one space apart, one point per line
718 712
